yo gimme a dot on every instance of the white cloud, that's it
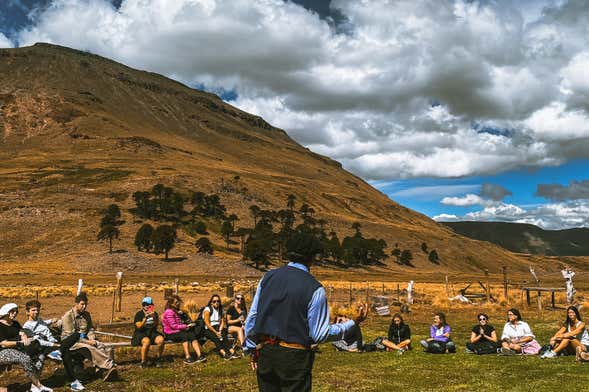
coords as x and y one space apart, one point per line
5 42
433 192
550 216
446 218
468 200
394 98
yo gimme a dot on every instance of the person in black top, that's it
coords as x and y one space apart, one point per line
17 348
352 340
483 337
399 336
146 333
236 315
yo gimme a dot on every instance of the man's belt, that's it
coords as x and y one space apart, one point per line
276 341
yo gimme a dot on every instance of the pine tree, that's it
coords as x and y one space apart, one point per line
109 225
227 231
143 238
204 245
433 257
164 239
406 257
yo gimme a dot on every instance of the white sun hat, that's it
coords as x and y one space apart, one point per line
5 309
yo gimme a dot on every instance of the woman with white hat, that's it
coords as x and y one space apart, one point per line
14 344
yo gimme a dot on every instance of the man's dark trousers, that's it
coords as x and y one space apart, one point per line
283 369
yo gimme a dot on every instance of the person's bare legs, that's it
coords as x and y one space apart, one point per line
561 345
159 341
145 343
186 350
196 347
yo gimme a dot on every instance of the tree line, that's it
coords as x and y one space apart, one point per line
264 241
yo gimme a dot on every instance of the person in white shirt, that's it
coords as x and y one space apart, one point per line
571 335
38 329
517 337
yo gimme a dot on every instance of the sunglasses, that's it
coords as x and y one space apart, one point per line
239 298
483 319
215 301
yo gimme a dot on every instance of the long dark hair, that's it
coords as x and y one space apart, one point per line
516 313
398 315
568 322
210 303
442 317
484 315
243 304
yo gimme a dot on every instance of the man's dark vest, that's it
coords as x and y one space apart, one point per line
285 294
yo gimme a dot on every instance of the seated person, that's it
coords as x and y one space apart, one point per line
399 336
38 329
17 348
439 340
352 339
146 333
178 331
517 337
483 337
215 329
572 335
236 315
77 332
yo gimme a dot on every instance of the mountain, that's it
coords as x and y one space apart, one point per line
80 132
525 238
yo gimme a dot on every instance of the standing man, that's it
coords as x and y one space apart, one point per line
289 315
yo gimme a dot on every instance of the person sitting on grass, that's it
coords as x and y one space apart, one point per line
439 341
571 335
146 333
17 348
39 330
517 337
179 332
236 315
351 340
215 329
483 337
77 334
399 336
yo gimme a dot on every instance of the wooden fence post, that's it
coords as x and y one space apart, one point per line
398 292
505 294
176 289
119 291
350 297
114 299
447 287
487 286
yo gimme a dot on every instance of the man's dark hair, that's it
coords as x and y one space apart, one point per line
33 304
302 247
81 297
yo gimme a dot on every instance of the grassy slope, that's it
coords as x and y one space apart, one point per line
414 371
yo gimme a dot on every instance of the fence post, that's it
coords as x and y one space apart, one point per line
487 286
350 301
176 290
119 291
505 294
447 287
398 292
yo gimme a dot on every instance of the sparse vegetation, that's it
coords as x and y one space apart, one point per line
204 245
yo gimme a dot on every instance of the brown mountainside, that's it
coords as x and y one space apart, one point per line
79 132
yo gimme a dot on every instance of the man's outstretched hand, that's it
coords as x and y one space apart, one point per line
361 314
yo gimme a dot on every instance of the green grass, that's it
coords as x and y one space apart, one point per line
382 371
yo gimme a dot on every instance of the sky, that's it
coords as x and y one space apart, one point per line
459 109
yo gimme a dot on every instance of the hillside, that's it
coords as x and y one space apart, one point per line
525 238
80 132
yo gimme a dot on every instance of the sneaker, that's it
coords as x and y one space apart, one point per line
77 386
401 351
468 351
507 351
144 365
548 354
109 373
55 355
227 357
189 361
424 344
201 358
40 388
235 356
